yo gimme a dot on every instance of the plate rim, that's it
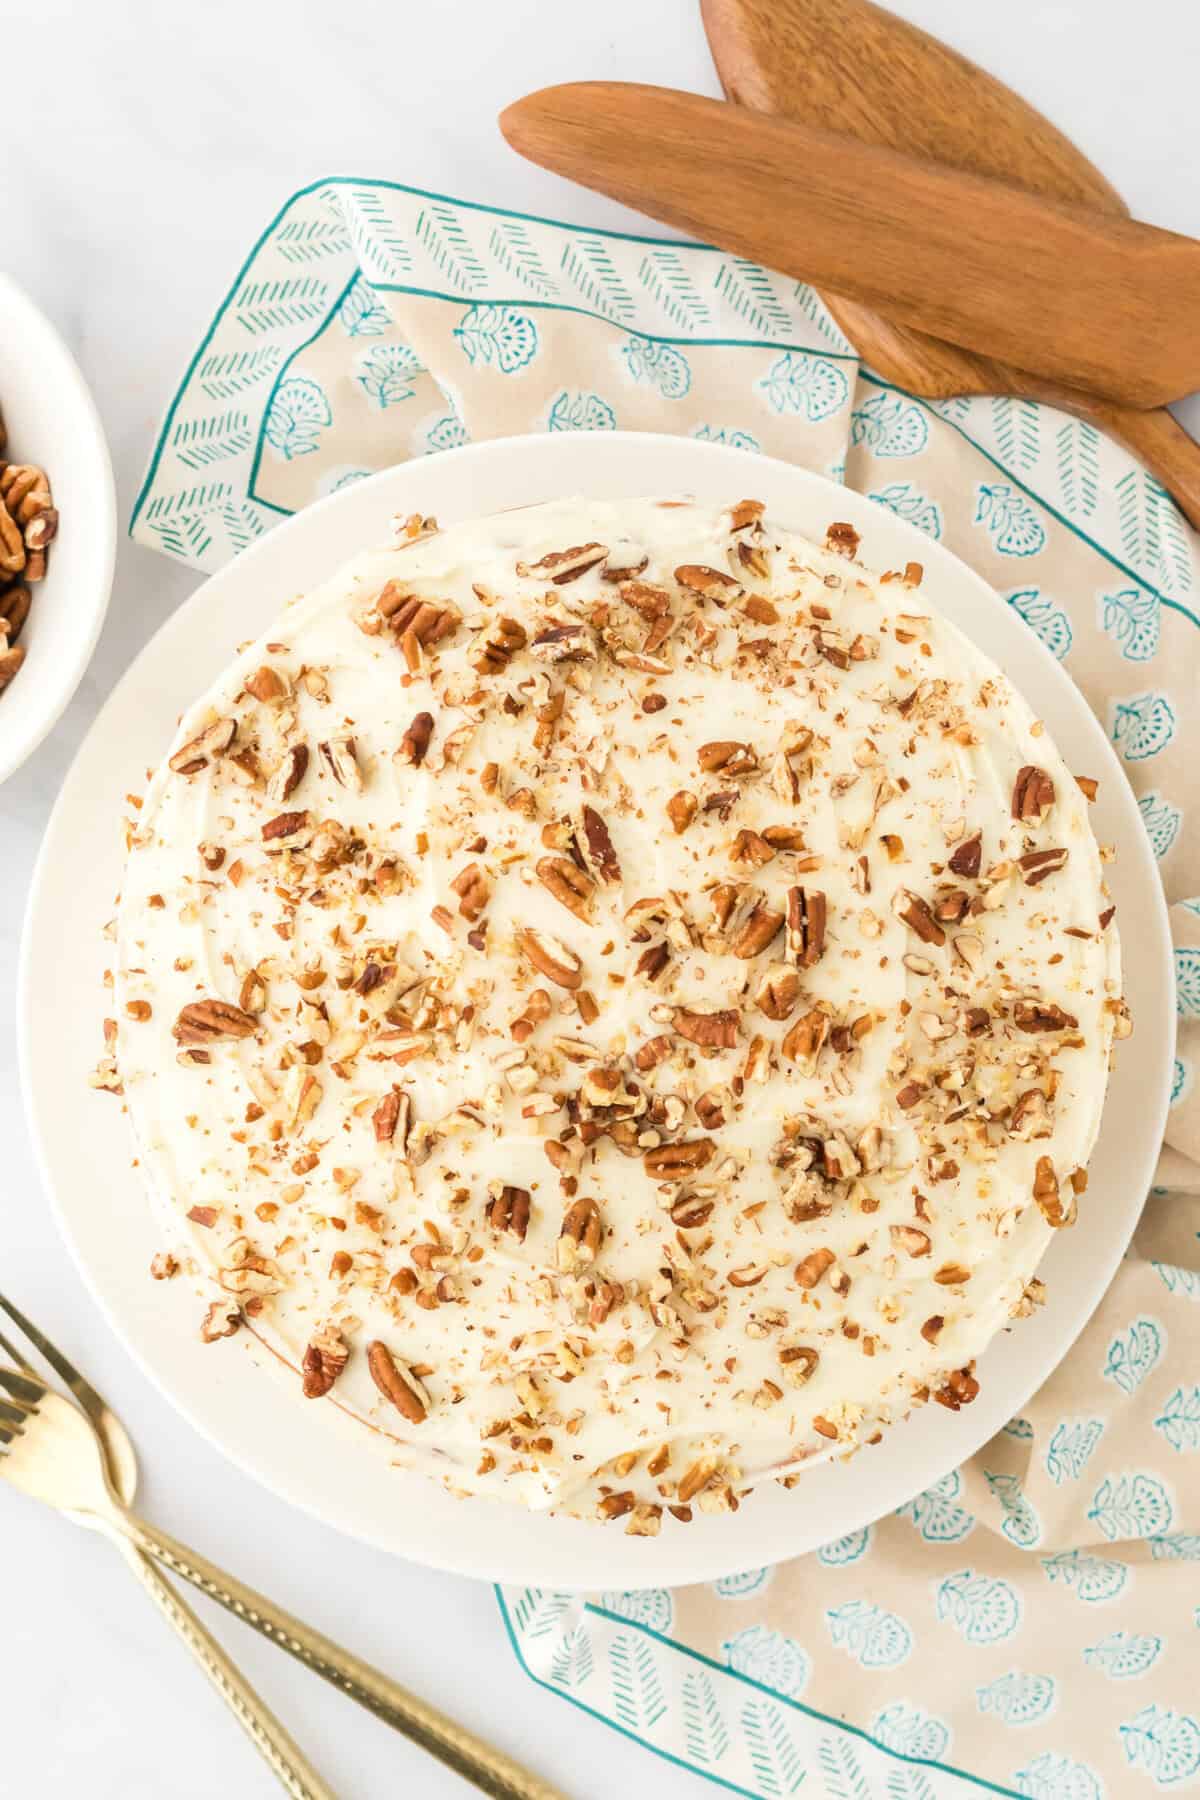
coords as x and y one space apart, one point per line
257 1464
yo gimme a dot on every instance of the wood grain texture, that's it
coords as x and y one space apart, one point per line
1100 303
849 65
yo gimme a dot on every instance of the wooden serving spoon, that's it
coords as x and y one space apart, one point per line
848 65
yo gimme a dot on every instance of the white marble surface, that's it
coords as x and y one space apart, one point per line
145 145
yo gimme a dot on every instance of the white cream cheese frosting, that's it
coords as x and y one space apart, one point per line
618 995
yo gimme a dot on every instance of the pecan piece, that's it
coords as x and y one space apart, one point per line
807 915
1032 795
749 850
673 1162
389 1120
580 1237
205 748
474 891
681 810
220 1321
1038 1015
843 538
968 857
960 1389
288 774
799 1362
508 1210
710 584
917 914
414 745
564 640
712 1027
10 662
653 1051
324 1359
561 566
1056 1209
14 605
397 1383
268 685
811 1268
778 991
728 755
210 1021
288 831
909 1239
496 645
806 1039
1037 864
752 925
340 756
551 957
596 848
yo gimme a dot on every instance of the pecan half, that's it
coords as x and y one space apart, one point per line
210 1021
968 857
713 1027
918 916
205 748
397 1383
807 915
580 1237
508 1210
673 1162
414 745
1032 795
324 1359
551 957
561 566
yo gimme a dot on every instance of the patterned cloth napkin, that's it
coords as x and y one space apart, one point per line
1031 1625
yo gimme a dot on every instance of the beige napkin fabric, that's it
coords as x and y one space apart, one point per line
1029 1626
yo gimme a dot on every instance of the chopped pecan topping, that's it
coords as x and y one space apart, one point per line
205 748
806 920
324 1359
340 756
811 1268
397 1383
968 857
1037 864
653 1051
1038 1015
474 891
562 566
727 755
674 1162
220 1321
580 1237
390 1118
290 772
710 584
414 745
843 538
778 991
751 924
551 957
918 916
268 685
508 1210
713 1027
1032 795
596 848
805 1040
1057 1209
564 640
570 886
749 850
288 831
959 1390
211 1021
799 1362
908 1238
681 810
496 645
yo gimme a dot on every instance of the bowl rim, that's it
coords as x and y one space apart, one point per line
49 347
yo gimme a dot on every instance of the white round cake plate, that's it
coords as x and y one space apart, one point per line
234 1392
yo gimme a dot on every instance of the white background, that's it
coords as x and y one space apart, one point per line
146 143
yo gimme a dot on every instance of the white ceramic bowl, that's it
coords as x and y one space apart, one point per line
52 421
239 1395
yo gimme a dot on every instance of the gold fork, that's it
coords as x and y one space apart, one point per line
288 1762
52 1451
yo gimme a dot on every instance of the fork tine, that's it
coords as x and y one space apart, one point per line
82 1389
14 1352
13 1415
22 1387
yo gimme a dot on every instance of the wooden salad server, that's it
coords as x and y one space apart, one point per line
849 65
938 248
